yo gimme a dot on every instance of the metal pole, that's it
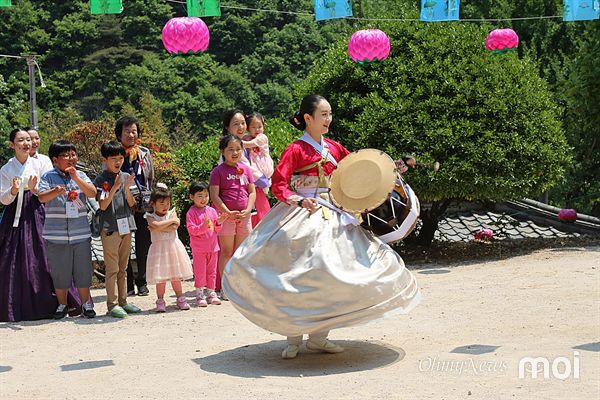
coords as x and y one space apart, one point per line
33 117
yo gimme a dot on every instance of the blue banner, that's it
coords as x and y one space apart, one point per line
581 10
329 9
439 10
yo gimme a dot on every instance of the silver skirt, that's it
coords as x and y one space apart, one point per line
298 273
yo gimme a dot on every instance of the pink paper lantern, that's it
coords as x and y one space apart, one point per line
369 45
502 40
484 235
567 215
185 35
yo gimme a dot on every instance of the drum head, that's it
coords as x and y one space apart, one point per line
363 180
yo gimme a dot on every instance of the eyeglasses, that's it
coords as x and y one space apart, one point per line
69 156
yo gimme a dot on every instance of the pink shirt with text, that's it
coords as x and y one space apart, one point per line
232 190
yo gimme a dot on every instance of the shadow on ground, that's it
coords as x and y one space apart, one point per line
264 359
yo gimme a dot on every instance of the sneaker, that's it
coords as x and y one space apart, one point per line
131 293
291 351
223 296
201 301
61 311
214 299
182 303
161 306
324 346
88 310
143 291
117 312
131 309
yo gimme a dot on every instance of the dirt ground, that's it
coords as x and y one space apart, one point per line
465 340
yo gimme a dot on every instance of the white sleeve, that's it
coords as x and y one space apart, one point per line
5 184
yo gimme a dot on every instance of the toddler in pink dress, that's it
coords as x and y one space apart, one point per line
167 258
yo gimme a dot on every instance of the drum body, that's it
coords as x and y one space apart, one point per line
367 182
396 217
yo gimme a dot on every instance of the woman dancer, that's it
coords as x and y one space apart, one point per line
308 267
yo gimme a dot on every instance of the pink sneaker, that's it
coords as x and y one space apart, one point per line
214 299
201 301
161 306
182 303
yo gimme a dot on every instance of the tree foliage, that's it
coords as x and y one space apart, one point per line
489 120
98 66
582 96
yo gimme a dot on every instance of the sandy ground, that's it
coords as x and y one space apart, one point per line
464 341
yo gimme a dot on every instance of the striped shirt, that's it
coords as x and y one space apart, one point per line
58 228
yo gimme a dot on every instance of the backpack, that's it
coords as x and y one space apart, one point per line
95 220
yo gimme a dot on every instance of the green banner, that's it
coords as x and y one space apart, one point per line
5 3
106 6
204 8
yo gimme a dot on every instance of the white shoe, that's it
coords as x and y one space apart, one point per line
224 296
324 346
291 351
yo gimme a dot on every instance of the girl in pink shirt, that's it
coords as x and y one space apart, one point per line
203 223
233 193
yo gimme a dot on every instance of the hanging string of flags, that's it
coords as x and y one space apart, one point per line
190 35
431 10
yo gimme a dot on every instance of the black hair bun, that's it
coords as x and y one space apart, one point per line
297 121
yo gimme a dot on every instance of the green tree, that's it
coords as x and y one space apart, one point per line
490 120
582 95
12 105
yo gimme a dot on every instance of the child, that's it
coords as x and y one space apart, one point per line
233 194
261 160
203 224
167 258
66 229
116 223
